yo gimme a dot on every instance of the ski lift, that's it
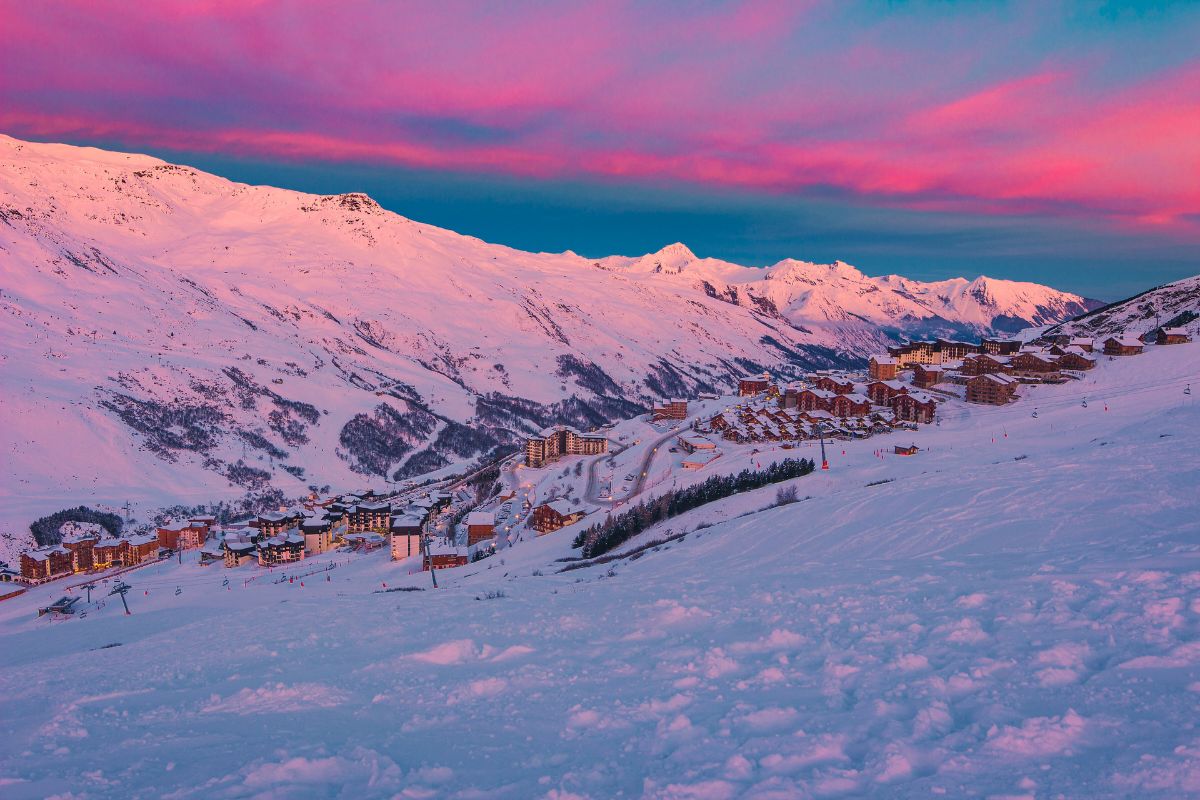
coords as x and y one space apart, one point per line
1187 389
178 590
225 582
1035 414
1084 403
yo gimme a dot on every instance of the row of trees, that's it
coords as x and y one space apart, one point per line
616 530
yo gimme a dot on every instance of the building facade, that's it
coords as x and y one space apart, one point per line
561 440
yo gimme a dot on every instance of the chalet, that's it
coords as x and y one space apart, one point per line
850 405
405 537
1000 347
990 389
554 515
690 444
110 552
750 385
1033 364
1083 343
81 544
1172 336
46 563
446 556
371 516
882 392
562 440
985 364
814 400
830 384
670 409
926 375
1122 346
142 546
882 368
700 459
7 575
317 533
282 548
914 407
911 450
1074 358
481 525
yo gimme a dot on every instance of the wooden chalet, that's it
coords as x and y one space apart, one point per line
182 535
1000 347
554 515
814 399
989 389
1075 359
142 546
670 409
850 405
442 555
985 364
46 563
882 368
1172 336
828 383
926 375
751 385
911 450
1033 365
914 407
82 547
481 525
1122 346
882 392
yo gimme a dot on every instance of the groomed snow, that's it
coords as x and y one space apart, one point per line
1014 613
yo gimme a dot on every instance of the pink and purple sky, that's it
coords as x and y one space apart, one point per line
1045 140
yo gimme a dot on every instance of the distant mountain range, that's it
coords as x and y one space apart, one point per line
174 336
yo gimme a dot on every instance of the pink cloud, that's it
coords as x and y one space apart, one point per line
750 93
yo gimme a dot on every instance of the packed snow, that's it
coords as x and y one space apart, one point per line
1010 613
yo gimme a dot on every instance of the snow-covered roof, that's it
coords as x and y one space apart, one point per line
1125 341
562 507
699 442
857 398
879 359
406 521
481 518
703 457
1174 332
1000 379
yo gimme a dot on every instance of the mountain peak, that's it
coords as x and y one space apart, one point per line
671 259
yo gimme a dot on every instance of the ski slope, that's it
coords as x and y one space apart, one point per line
1012 614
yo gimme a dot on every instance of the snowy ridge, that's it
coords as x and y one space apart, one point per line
228 338
1175 304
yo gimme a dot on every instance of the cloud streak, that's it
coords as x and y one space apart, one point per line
979 109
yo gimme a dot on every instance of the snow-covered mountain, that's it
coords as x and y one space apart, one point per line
1170 305
174 336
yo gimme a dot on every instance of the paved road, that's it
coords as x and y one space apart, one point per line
640 474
